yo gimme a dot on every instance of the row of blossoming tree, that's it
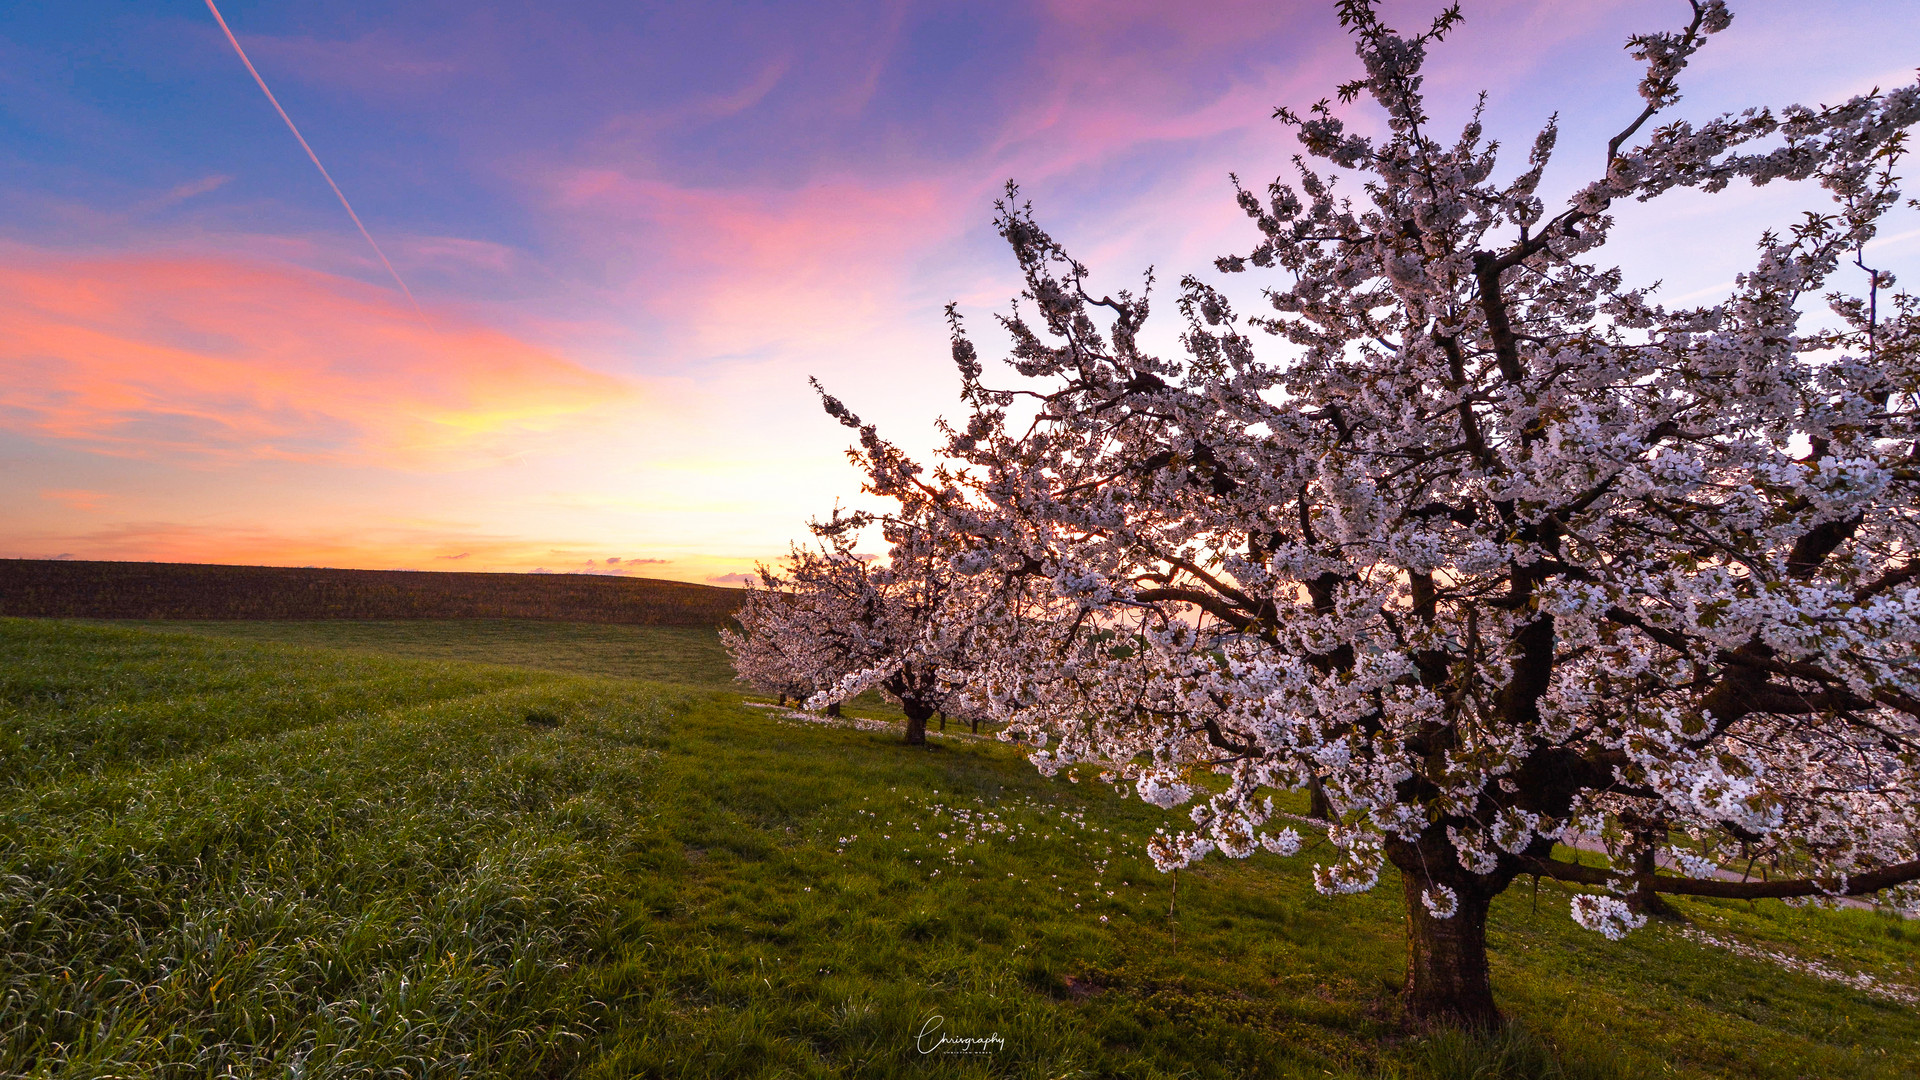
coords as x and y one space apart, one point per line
1495 549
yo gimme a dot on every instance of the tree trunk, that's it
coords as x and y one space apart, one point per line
1318 805
1447 977
1643 899
833 709
917 715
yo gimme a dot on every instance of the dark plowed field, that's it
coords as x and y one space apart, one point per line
41 588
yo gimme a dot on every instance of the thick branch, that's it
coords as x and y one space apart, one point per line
1243 748
1817 543
1205 601
1892 579
1862 884
1469 423
1506 348
1672 639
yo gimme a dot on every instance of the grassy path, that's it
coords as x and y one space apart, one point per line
249 858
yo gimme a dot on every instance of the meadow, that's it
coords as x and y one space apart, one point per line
522 849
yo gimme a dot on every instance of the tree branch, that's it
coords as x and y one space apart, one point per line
1871 881
1205 601
1892 579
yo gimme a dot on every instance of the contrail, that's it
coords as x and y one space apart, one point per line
311 156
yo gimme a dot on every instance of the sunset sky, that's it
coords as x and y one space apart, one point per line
633 230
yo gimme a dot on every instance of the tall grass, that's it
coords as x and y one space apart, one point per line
410 891
84 698
376 867
683 655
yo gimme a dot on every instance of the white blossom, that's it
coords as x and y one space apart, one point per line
1440 901
1488 543
1608 915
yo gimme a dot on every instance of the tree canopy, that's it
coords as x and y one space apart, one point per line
1491 547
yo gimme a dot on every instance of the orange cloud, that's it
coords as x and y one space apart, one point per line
158 355
369 545
75 499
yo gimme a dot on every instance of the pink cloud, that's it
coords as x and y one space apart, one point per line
365 544
735 268
733 104
837 255
1123 75
157 355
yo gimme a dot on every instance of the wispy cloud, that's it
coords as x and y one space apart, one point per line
181 193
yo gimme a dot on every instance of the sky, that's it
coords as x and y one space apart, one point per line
632 231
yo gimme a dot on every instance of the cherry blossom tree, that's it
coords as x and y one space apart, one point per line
1496 548
770 652
839 623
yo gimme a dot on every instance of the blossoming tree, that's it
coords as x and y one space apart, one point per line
771 652
1500 549
839 624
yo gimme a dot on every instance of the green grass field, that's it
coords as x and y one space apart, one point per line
310 850
688 656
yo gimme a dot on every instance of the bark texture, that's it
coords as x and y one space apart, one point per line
1448 980
917 717
1319 806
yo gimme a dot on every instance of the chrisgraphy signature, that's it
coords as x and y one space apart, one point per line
933 1039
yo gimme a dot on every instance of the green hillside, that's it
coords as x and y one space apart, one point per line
252 858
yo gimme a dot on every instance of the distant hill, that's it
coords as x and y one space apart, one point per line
46 588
